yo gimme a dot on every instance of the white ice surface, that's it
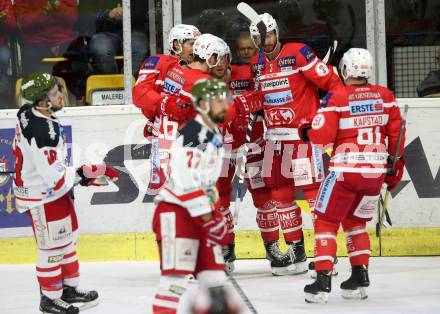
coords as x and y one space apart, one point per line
398 285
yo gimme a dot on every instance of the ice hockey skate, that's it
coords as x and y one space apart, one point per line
281 263
318 291
355 286
298 256
82 299
56 306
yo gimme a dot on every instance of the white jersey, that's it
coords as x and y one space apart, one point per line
42 174
194 167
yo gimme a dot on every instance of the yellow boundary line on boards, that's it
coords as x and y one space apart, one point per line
142 246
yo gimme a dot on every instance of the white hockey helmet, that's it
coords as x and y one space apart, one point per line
208 45
357 62
182 32
271 25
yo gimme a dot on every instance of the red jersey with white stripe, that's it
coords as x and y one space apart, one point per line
289 84
146 92
42 173
177 81
194 166
358 120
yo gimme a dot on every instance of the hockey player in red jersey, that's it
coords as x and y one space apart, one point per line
364 124
189 231
289 77
147 91
43 183
175 85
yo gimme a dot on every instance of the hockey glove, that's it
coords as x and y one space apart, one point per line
249 102
303 129
392 179
96 175
176 108
216 229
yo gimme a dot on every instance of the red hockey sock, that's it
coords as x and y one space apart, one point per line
267 221
289 216
358 242
226 212
325 244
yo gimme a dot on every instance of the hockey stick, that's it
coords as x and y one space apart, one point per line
330 52
387 197
253 17
241 293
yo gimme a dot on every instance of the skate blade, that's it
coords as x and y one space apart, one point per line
320 297
229 267
358 294
86 305
293 269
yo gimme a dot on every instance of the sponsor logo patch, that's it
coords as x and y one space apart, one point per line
308 53
278 99
279 116
55 259
366 106
257 66
171 87
287 62
240 85
275 84
151 62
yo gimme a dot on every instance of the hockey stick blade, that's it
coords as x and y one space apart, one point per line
331 50
249 12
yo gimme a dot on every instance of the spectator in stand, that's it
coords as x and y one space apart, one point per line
7 26
46 28
245 48
431 84
107 42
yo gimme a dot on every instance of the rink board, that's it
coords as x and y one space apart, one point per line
115 220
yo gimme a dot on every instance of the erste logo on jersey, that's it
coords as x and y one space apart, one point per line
366 106
171 87
287 62
238 85
151 62
308 53
278 99
279 116
275 84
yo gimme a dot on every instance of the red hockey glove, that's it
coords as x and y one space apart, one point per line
303 128
249 102
392 179
176 108
96 175
216 229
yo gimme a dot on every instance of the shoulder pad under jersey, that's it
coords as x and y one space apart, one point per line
45 131
197 136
